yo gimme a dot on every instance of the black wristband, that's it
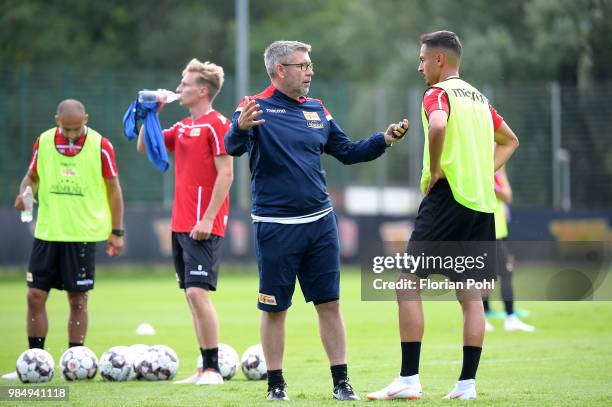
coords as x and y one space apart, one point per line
118 232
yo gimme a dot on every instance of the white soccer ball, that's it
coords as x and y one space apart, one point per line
228 361
117 364
159 362
253 363
136 350
79 363
35 366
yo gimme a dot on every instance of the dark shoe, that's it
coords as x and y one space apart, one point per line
344 392
277 392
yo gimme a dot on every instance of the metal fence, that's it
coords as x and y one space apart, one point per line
564 161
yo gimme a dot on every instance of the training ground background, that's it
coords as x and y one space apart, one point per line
565 362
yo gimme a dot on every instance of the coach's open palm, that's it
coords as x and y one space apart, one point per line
248 116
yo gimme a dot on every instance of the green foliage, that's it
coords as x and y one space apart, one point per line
360 40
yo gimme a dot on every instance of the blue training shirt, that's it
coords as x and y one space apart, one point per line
287 180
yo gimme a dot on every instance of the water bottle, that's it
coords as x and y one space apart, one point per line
160 95
28 202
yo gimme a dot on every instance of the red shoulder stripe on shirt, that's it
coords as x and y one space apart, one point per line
328 116
265 94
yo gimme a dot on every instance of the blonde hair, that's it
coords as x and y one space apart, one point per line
209 75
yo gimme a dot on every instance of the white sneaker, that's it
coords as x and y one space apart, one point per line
193 379
10 376
406 388
489 326
210 376
513 323
464 390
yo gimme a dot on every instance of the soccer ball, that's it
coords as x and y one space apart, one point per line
159 362
35 366
79 363
117 364
228 361
135 351
253 363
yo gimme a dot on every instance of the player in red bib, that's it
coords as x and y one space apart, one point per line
203 174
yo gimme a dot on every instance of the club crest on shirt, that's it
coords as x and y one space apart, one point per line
313 120
311 116
195 132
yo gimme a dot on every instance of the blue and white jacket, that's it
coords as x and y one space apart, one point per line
287 181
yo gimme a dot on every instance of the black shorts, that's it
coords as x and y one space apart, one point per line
196 262
459 233
66 266
442 218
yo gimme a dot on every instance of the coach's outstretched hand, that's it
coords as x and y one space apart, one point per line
396 131
248 116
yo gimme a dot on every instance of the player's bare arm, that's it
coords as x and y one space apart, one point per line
248 116
505 144
504 191
115 202
438 120
140 145
30 179
225 176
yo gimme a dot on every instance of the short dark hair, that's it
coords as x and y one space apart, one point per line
443 39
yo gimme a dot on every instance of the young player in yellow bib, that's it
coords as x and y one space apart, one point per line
462 151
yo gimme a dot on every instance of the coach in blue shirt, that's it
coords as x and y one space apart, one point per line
296 232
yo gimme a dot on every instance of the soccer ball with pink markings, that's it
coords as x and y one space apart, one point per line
159 362
79 363
253 363
35 366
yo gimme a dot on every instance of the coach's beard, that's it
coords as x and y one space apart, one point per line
304 90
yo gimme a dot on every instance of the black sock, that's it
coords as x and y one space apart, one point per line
210 359
73 344
509 306
275 377
339 373
36 342
485 303
411 353
471 357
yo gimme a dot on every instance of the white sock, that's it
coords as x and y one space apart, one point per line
464 384
410 380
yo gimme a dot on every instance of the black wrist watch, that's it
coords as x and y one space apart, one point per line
118 232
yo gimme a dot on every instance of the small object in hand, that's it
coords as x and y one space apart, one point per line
401 130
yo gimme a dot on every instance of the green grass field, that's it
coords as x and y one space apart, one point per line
567 361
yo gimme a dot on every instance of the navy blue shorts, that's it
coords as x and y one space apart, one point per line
309 251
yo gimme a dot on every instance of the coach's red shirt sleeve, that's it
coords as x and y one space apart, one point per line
216 137
109 166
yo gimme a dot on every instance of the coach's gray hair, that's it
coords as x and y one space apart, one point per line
279 51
